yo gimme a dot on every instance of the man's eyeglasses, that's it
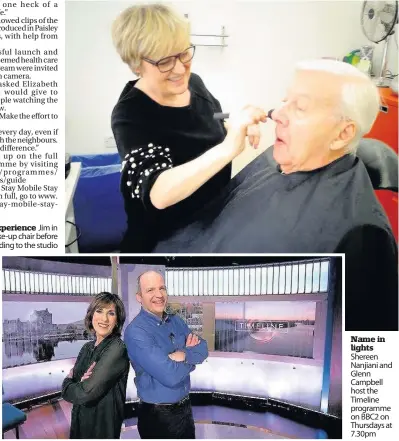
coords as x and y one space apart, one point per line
168 63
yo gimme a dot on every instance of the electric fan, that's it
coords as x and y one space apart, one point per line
378 21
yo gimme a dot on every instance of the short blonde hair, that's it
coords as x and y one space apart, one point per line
150 31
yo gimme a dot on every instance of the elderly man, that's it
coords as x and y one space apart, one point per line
163 353
310 193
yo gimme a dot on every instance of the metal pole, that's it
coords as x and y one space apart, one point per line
115 274
382 80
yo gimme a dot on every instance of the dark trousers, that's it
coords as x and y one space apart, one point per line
170 421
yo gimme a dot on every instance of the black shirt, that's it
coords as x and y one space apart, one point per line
331 209
98 402
152 138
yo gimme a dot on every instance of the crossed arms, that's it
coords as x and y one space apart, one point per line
98 379
167 369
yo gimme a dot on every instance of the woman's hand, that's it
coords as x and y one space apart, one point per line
245 123
180 182
247 116
88 372
70 375
253 133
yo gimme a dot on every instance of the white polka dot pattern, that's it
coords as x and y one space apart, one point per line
141 163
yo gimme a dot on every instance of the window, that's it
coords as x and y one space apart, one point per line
307 277
29 282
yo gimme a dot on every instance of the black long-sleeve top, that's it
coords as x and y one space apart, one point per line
151 139
98 402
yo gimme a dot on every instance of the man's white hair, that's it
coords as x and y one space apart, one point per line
360 99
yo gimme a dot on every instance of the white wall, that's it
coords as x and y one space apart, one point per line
266 39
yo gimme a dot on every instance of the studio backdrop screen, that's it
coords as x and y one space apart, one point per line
283 328
191 313
42 331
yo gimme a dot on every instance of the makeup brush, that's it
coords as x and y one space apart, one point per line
221 115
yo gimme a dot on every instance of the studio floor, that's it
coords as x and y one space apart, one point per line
214 422
219 422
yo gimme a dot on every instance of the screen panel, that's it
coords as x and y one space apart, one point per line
283 328
35 332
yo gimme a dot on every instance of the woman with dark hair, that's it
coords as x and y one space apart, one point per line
96 386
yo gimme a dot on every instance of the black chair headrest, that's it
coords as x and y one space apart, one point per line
381 163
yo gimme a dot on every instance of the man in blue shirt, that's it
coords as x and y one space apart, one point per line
163 352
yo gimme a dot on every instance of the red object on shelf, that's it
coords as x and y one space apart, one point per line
385 127
389 200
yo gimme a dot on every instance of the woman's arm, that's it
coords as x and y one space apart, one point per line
72 373
178 183
107 371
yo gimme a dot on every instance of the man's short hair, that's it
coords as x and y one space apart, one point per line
138 286
360 98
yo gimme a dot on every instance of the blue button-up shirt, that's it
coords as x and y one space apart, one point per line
149 340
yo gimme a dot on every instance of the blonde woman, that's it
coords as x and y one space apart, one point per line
176 156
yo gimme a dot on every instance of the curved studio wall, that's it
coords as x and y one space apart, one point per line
298 380
254 378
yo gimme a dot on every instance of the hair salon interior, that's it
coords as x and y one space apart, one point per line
273 326
246 52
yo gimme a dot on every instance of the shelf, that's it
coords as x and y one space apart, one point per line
222 37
